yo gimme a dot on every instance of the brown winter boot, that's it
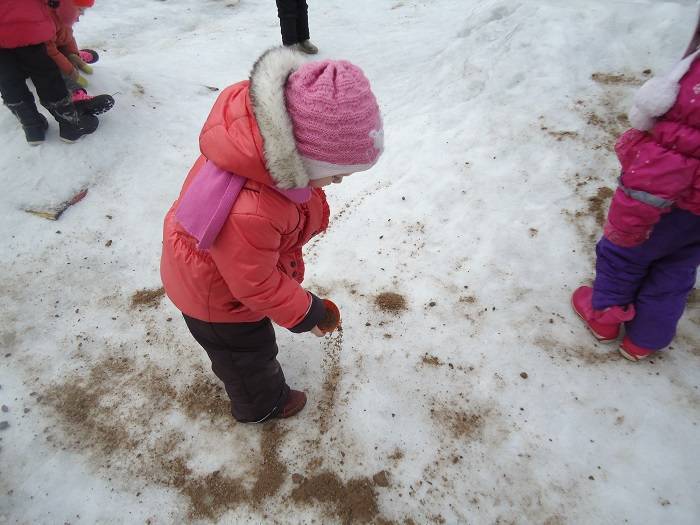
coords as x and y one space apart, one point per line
307 47
296 400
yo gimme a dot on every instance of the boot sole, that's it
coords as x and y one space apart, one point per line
86 109
95 57
598 337
103 109
631 357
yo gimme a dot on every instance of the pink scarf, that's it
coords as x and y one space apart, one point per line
207 203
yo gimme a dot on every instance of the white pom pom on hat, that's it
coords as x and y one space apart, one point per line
657 95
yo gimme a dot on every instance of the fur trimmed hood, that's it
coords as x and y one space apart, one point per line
267 82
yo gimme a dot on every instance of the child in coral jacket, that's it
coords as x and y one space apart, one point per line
73 61
232 259
647 261
25 26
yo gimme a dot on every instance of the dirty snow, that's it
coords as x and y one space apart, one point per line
484 400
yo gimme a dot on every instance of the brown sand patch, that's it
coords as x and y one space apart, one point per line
431 360
391 302
396 455
598 204
127 437
561 135
461 424
156 383
333 372
212 495
596 208
351 502
381 478
612 124
96 417
616 79
147 297
554 520
271 473
78 406
205 398
590 355
84 404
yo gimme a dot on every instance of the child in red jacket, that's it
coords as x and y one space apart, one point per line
24 27
232 243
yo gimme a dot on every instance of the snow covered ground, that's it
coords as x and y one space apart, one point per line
483 401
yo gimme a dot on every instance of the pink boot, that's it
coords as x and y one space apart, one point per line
603 324
89 56
633 352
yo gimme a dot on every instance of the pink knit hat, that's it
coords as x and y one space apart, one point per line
335 117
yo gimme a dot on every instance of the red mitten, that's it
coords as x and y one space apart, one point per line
331 320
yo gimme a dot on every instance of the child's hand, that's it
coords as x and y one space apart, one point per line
76 77
330 321
80 64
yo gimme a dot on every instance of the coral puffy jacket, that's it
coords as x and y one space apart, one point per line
62 44
660 168
255 267
25 23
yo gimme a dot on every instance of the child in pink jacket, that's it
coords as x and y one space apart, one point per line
647 260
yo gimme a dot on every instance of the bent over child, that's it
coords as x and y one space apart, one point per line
232 244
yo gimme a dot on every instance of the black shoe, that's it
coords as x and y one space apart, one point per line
72 125
96 105
33 122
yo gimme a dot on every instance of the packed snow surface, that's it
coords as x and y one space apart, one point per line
462 388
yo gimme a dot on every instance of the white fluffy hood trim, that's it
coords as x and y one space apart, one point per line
267 81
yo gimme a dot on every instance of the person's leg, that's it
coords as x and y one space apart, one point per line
44 73
243 356
302 21
663 295
12 78
19 99
72 85
287 13
620 272
53 94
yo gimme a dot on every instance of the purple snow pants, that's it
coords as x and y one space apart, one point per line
656 276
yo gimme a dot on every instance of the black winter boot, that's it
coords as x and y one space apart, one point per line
33 122
72 125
